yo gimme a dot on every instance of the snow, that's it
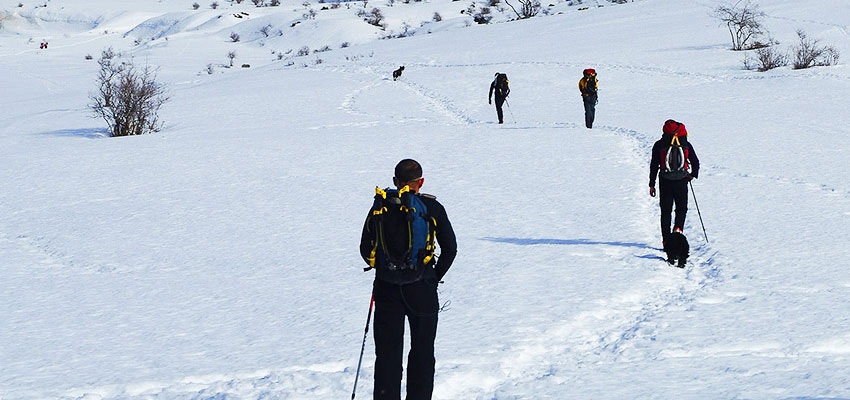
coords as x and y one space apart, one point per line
218 258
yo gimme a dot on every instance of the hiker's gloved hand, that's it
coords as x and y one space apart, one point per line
689 177
652 191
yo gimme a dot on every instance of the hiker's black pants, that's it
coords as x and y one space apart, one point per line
670 192
589 110
418 302
499 102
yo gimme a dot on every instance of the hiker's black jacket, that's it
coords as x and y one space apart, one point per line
659 149
445 236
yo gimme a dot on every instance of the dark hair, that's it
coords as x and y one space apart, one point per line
407 170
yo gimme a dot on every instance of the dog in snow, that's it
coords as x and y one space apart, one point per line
676 246
397 73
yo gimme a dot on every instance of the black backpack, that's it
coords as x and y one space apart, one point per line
502 84
591 87
674 163
403 242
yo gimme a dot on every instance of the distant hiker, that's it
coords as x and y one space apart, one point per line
406 277
43 45
397 73
589 86
675 163
500 87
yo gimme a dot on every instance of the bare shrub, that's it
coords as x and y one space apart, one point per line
127 98
743 19
480 15
437 17
4 15
214 5
527 9
266 30
234 37
766 58
374 17
809 53
196 6
303 51
231 55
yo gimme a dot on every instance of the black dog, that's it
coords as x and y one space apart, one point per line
397 73
676 246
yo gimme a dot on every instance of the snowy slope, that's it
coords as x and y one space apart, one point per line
217 258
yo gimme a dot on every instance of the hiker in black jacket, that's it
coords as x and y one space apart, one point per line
673 181
415 300
502 90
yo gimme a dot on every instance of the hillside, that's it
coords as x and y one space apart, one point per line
218 258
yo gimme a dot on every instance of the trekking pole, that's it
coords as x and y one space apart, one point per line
698 213
363 346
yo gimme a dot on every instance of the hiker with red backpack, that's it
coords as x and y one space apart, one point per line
675 163
501 89
589 86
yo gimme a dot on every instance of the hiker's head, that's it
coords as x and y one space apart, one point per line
674 128
408 172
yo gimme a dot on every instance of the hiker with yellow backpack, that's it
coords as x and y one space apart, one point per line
589 86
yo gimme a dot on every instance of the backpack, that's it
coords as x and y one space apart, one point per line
403 245
502 84
674 160
590 83
591 86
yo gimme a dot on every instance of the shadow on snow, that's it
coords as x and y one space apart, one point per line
567 242
87 133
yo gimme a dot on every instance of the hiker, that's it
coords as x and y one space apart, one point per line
403 290
500 87
675 163
588 86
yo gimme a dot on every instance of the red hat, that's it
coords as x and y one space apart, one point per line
590 71
674 128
